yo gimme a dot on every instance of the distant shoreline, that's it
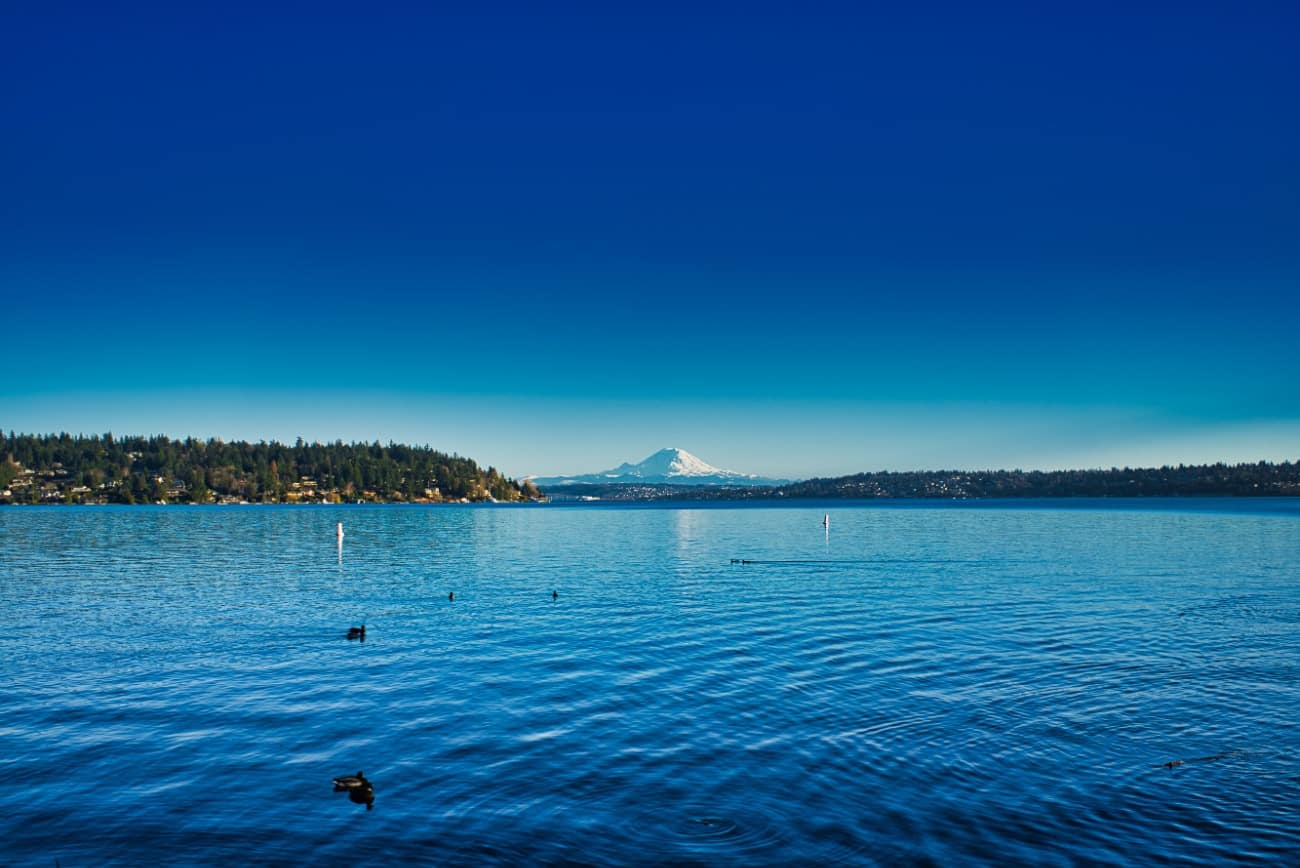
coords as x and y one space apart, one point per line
1260 479
63 469
1280 504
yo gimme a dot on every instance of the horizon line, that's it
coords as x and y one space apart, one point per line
529 477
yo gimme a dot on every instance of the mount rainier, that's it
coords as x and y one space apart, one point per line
666 467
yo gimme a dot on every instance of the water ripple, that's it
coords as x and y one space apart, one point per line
922 685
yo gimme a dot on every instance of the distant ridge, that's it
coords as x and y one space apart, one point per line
1260 479
671 466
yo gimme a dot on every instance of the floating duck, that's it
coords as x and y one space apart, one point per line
1175 763
357 632
362 796
351 782
451 595
555 595
358 788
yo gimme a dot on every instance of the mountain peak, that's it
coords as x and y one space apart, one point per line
668 466
678 462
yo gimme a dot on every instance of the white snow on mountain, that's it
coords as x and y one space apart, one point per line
670 466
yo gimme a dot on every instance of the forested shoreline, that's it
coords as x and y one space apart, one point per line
1243 480
1260 479
65 468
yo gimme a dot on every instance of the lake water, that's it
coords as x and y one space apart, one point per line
921 683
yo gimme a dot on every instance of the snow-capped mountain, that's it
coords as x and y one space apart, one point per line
666 467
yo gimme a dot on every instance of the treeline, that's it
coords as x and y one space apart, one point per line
106 469
1241 480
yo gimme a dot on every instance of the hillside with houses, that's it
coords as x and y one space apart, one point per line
64 468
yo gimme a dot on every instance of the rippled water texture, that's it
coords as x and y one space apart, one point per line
951 685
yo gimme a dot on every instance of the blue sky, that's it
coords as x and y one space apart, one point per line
795 242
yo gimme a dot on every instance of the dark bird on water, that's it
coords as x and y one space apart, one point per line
357 632
362 796
1175 763
351 782
555 595
359 789
451 595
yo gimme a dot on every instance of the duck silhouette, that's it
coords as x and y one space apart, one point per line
358 788
357 632
363 796
351 782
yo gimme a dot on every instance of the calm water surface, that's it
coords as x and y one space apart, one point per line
921 684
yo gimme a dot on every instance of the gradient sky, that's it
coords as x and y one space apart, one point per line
554 237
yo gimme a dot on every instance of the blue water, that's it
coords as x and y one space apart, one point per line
951 685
